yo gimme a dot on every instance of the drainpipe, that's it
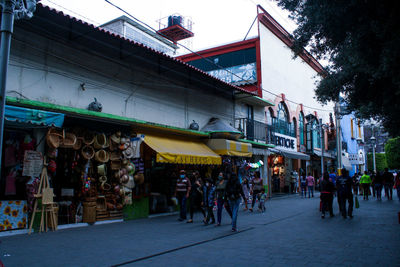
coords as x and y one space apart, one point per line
7 21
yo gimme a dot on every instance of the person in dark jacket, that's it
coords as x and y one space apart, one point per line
388 181
327 189
344 185
221 198
208 200
234 192
378 183
196 196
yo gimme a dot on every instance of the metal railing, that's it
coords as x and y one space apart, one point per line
255 130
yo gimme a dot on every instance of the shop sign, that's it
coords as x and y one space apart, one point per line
353 158
33 163
285 142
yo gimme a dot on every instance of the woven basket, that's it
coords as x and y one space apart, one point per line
87 152
69 140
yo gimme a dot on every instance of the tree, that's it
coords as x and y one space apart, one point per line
361 40
392 150
380 162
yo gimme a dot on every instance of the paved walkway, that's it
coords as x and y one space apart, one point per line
290 233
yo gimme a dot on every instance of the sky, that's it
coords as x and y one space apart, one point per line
215 22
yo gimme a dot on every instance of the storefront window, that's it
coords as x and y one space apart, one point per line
301 128
316 134
283 125
294 127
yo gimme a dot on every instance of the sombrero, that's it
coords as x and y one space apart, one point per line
102 156
100 141
87 152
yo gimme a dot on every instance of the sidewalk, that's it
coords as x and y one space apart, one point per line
290 233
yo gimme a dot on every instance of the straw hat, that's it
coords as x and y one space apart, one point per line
115 155
69 140
87 152
101 169
116 138
139 178
115 164
78 144
102 156
54 138
88 138
100 141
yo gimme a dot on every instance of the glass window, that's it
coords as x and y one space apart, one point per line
282 119
268 114
316 134
301 128
294 128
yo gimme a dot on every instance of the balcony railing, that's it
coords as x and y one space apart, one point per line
255 130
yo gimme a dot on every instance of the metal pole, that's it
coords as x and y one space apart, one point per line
322 147
338 140
373 157
7 21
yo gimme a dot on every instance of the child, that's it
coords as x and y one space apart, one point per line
262 198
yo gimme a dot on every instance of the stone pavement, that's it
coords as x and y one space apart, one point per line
290 233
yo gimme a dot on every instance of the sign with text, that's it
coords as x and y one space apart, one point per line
33 163
284 142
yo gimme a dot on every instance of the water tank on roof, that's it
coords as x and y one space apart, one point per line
174 20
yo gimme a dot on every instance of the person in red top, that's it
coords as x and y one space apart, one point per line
182 191
310 183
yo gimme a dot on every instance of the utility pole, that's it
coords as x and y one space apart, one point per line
321 132
338 138
21 10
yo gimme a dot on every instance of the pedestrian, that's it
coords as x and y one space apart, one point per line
257 186
397 184
182 191
208 201
310 185
373 178
327 189
234 192
246 191
344 186
220 194
332 176
303 185
365 181
356 182
378 185
388 183
196 196
263 198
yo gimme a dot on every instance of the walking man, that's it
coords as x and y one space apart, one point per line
182 191
344 185
365 181
388 181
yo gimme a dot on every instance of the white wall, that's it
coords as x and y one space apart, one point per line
282 74
50 72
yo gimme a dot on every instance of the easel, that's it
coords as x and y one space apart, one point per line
45 193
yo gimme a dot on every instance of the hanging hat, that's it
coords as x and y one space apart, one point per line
139 178
124 179
128 153
116 138
102 156
88 138
78 144
87 152
101 169
115 164
54 138
100 141
69 140
115 155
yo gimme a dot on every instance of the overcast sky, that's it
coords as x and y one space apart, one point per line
215 21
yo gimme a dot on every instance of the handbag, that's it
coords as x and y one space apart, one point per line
356 201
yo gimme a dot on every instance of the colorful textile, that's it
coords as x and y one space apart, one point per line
13 214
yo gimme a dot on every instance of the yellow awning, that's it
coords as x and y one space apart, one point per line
230 147
181 151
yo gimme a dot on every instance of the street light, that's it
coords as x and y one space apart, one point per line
373 141
338 116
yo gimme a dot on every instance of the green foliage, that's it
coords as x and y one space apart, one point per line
392 150
361 40
380 161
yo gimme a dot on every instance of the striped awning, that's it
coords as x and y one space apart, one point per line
230 147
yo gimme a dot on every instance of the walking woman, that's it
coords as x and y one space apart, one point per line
327 189
303 185
221 198
234 192
246 191
257 186
196 196
208 201
365 181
